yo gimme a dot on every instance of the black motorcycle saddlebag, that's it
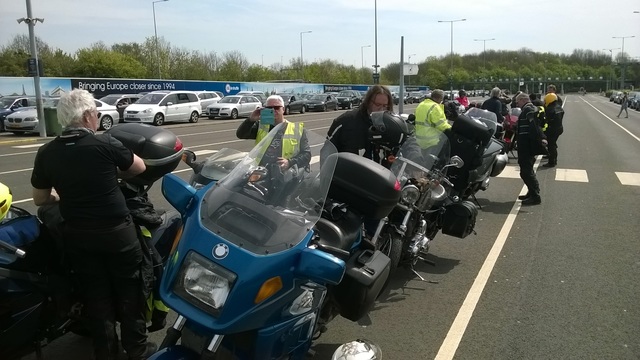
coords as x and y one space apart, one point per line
374 196
160 149
367 272
459 219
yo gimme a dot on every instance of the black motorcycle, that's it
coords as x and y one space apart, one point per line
426 205
39 300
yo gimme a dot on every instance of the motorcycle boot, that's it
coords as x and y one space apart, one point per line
525 196
532 200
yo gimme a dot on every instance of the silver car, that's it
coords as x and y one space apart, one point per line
207 98
107 114
234 106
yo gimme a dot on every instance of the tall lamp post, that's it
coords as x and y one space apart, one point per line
484 50
301 56
31 22
610 84
409 62
376 76
155 30
451 70
362 54
624 64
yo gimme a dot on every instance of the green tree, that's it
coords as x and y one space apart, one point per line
100 62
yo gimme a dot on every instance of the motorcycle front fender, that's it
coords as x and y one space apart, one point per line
176 352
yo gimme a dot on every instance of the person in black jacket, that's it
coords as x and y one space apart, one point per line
80 171
554 114
349 132
530 143
494 104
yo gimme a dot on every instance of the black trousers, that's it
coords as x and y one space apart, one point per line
108 263
552 146
526 162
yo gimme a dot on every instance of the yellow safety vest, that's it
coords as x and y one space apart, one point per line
290 138
430 122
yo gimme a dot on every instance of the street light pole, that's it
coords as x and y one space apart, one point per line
376 76
301 56
623 59
610 84
409 62
155 30
484 50
362 54
451 70
31 22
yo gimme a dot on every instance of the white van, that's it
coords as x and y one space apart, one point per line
160 106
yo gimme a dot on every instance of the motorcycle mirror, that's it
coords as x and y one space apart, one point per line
457 161
189 157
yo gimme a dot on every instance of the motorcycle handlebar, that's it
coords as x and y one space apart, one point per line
12 249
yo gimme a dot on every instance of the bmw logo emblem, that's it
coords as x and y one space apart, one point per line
220 251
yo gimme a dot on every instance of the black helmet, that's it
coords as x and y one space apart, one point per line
387 129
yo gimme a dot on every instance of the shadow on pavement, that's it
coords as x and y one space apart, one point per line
495 207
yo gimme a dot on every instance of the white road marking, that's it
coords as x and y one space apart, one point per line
627 178
571 175
27 146
510 172
454 336
205 152
21 201
613 121
15 171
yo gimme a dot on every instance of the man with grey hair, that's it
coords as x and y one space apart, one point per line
531 141
494 104
292 146
79 170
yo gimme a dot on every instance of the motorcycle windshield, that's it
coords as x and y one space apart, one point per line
264 207
485 116
220 164
413 158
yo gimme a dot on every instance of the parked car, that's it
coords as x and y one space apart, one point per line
322 102
300 104
159 106
259 94
234 106
106 115
25 119
417 96
347 99
615 96
287 99
634 100
120 101
207 98
10 104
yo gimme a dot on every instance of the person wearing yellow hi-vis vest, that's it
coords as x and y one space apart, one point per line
431 120
290 148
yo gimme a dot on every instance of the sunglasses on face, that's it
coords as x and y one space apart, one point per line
277 107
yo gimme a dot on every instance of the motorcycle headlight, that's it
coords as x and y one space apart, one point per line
204 283
410 194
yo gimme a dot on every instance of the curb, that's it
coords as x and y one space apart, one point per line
18 141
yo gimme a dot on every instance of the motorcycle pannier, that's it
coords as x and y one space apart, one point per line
365 186
459 219
160 149
367 272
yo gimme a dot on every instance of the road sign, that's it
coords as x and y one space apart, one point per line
410 69
376 76
32 65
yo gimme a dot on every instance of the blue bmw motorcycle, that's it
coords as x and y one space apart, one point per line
268 257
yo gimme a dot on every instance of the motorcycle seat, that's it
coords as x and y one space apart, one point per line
340 233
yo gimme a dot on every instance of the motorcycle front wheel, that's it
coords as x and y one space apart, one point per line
390 244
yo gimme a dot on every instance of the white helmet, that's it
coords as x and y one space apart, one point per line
358 350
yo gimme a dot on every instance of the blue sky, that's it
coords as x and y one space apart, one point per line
267 31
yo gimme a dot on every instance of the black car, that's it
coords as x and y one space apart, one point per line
322 102
347 99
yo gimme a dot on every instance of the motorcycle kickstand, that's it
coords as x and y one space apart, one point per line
420 276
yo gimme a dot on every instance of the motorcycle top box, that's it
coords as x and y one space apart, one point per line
160 149
375 196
